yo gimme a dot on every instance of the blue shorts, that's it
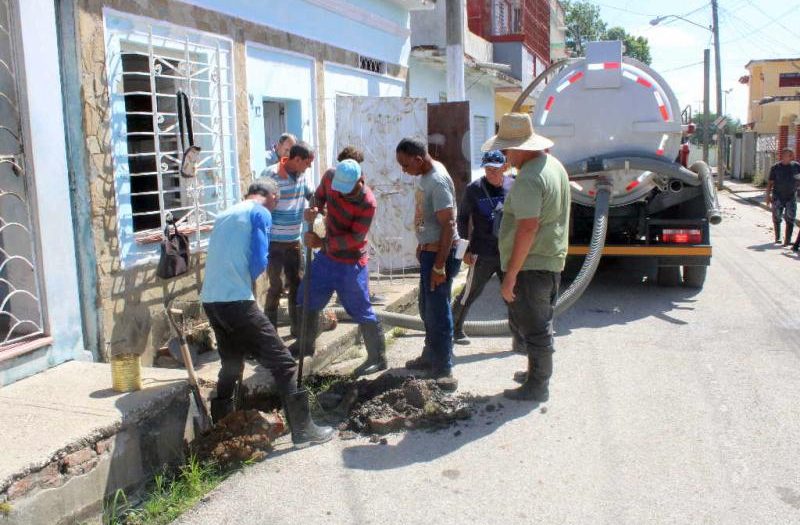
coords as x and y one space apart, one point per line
349 281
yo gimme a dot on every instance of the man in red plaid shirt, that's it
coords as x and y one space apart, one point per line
341 264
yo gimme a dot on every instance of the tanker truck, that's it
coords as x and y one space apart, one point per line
618 130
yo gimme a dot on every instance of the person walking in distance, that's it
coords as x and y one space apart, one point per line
482 208
781 189
285 252
237 255
434 220
533 244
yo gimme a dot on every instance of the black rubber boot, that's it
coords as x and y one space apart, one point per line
376 349
536 386
221 408
459 336
777 226
310 337
298 413
422 362
789 230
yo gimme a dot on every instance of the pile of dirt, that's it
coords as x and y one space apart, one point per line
246 435
393 403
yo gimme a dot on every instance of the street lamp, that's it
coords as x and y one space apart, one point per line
726 92
658 20
714 29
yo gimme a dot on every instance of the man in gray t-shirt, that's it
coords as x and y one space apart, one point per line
434 221
435 192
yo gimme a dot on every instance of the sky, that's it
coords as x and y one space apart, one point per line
749 30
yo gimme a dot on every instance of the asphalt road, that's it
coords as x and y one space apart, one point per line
666 406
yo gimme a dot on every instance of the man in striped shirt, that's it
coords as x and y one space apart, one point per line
285 255
341 264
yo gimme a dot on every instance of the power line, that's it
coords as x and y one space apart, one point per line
685 66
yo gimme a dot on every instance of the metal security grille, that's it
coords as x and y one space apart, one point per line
372 65
21 316
766 154
149 65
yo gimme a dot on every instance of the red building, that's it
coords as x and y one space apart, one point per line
525 23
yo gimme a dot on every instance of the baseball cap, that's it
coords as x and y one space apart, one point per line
493 159
347 174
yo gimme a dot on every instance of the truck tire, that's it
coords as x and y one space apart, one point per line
694 276
669 276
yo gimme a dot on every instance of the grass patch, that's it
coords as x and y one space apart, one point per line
170 495
759 180
5 509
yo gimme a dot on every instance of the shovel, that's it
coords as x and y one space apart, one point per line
304 319
205 418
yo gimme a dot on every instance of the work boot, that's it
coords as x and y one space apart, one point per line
310 337
789 229
221 408
295 317
422 362
777 226
444 379
535 387
298 414
376 349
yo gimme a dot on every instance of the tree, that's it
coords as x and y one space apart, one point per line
633 46
731 127
584 24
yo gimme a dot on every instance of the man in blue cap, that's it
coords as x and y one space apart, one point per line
341 264
482 207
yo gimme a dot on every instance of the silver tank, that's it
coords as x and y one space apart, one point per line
608 105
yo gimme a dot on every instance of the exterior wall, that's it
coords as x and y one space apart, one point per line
558 33
47 159
764 82
429 83
340 80
131 300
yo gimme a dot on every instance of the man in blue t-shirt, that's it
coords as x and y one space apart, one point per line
237 254
482 204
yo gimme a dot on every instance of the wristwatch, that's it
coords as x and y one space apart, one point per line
439 271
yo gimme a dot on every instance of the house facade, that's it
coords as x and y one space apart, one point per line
108 150
775 100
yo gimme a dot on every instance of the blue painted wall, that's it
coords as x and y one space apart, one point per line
310 20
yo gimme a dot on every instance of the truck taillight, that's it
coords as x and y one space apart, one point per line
682 236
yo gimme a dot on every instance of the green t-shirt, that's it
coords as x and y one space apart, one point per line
540 190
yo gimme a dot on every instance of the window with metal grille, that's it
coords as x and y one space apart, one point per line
21 315
372 65
789 80
148 64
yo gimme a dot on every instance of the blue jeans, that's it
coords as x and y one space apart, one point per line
349 281
434 308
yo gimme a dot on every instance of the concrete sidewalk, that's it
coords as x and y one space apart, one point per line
69 440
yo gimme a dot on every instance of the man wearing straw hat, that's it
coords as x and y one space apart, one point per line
533 244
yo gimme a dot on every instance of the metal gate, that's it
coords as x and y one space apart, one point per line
766 154
21 316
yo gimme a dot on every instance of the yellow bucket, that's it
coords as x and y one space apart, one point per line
126 372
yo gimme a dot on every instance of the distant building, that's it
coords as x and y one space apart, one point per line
558 32
519 31
775 99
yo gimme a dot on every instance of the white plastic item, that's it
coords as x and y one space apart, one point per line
319 227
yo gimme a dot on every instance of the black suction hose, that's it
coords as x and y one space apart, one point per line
565 300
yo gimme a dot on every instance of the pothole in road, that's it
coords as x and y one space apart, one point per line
369 407
389 404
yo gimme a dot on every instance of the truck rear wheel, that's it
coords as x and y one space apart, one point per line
694 276
669 276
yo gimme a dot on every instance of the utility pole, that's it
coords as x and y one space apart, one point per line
706 96
718 73
454 20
